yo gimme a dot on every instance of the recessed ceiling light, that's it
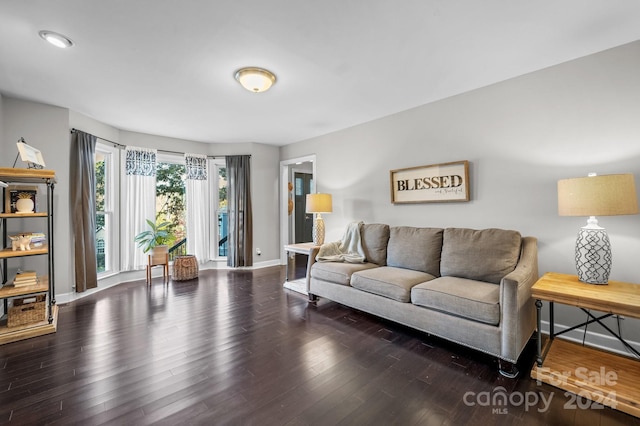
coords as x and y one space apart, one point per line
58 40
255 79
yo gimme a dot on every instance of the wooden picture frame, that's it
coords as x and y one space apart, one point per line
12 194
445 182
30 155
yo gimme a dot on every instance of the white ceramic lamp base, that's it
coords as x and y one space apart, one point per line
593 254
318 231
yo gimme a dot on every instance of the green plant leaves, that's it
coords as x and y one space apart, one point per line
158 235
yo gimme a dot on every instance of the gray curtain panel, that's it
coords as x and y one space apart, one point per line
239 206
83 209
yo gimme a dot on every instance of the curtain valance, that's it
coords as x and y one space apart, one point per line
140 161
196 166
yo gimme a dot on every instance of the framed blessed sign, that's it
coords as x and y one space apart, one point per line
433 183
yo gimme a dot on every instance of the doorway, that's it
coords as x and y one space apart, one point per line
297 179
303 221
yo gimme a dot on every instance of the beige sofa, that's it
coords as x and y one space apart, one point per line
472 287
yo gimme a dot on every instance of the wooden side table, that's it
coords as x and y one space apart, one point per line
602 377
309 249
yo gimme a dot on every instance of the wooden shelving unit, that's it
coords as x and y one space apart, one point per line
22 215
46 283
8 253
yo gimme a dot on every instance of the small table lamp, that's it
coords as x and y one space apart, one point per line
606 195
319 203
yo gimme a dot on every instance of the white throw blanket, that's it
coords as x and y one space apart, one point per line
348 250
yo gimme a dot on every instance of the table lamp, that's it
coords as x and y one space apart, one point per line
318 203
606 195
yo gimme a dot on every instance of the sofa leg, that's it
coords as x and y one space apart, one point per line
312 297
507 369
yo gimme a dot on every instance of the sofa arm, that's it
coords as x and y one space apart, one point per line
517 311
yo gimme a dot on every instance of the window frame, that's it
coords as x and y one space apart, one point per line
215 164
111 208
170 158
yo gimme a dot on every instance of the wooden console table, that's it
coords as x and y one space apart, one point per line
602 377
311 250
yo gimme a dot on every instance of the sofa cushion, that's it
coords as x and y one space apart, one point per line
390 282
338 272
484 255
375 237
465 298
415 248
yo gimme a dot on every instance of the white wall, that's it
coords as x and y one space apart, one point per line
520 137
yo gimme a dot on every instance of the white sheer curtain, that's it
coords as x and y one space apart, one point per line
197 206
139 201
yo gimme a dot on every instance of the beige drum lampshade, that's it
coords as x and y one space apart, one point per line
606 195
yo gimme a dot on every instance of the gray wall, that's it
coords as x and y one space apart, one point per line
520 136
2 148
45 127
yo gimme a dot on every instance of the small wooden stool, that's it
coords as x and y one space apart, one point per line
185 268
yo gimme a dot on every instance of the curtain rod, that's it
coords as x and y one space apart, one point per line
164 151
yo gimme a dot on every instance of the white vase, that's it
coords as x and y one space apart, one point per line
24 205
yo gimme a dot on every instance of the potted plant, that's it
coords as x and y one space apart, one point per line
155 239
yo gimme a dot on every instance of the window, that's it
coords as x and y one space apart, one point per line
170 200
106 160
220 226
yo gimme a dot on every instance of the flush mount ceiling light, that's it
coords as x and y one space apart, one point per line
255 79
58 40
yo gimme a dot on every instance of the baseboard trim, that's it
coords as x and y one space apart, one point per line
128 276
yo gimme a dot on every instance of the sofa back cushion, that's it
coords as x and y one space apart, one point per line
375 237
415 248
484 255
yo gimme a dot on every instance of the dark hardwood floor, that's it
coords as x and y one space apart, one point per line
234 347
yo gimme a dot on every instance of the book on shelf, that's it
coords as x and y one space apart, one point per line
25 278
25 284
23 275
38 239
37 236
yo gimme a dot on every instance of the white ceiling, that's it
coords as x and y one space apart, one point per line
166 67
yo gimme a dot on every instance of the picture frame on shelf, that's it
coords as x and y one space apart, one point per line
30 155
16 192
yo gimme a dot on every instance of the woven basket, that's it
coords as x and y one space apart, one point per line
27 310
185 268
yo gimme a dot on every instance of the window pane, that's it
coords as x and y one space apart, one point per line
100 181
102 244
223 222
170 203
102 231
